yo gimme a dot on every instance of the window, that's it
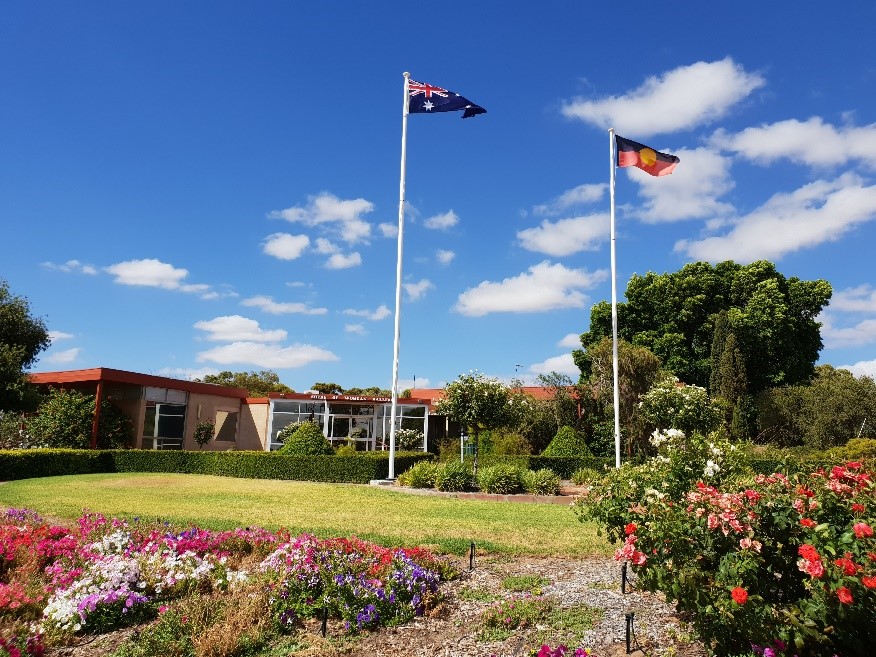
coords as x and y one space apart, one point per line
226 426
164 425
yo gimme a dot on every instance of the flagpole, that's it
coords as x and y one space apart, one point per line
398 276
614 364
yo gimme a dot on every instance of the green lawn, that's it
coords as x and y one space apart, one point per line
385 516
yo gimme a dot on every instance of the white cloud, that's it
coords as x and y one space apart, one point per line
285 246
268 356
233 328
561 364
862 368
55 336
325 247
580 195
445 257
358 329
268 305
541 288
856 299
860 334
418 290
566 236
66 356
680 99
822 211
71 266
186 373
404 384
812 142
388 230
692 191
342 217
341 261
570 341
153 273
442 221
382 312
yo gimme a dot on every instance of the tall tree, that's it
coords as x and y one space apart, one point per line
477 403
22 337
327 388
675 314
259 384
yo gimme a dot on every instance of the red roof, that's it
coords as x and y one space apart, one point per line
105 374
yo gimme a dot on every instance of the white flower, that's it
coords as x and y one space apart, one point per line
711 468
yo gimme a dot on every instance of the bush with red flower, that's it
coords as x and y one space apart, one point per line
765 560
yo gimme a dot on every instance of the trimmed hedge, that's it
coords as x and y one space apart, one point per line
358 469
563 466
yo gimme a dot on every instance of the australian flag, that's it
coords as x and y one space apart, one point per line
427 98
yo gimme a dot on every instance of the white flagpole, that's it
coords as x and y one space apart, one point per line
614 367
398 276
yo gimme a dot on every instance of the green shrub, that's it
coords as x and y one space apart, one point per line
408 439
509 443
860 448
65 418
567 442
453 476
286 432
307 441
504 479
203 433
421 475
347 449
541 482
582 476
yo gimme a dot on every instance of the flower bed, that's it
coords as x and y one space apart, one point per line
56 583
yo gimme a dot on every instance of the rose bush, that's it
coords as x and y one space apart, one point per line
775 561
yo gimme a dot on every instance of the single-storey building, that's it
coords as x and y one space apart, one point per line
165 411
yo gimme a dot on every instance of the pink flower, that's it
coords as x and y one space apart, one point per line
862 529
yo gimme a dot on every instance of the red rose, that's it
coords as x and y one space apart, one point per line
858 508
739 595
862 529
844 595
869 582
630 529
807 522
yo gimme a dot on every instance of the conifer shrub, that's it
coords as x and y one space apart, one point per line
568 443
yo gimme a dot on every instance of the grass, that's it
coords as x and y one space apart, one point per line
384 516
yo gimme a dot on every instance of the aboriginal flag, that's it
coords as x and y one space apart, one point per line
633 154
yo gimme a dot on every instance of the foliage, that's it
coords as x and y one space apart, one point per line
541 482
453 476
12 432
22 337
567 442
327 388
537 425
829 411
374 391
505 442
582 476
420 475
531 584
638 370
361 468
752 559
518 612
477 403
257 384
203 433
502 478
307 440
674 315
65 419
408 439
670 405
563 398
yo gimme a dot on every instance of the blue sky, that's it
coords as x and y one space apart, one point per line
193 187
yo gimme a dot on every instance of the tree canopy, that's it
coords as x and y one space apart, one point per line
772 318
22 337
259 384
